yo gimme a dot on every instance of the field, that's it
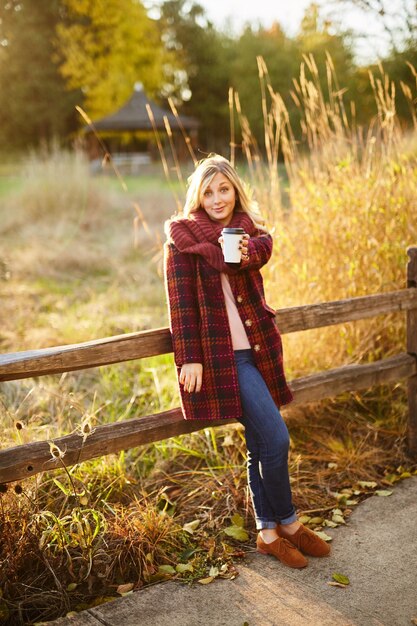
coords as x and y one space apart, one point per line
76 264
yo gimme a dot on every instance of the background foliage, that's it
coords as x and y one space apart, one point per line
58 53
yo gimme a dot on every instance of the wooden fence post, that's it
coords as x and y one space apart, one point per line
412 349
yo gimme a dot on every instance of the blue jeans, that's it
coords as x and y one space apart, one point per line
267 442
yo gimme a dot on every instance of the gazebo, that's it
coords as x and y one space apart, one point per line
132 121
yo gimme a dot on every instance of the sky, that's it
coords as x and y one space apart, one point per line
288 13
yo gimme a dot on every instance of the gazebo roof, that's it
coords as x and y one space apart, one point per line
133 116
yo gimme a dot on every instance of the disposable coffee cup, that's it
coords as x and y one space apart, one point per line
231 238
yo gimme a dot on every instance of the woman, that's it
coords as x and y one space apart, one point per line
228 349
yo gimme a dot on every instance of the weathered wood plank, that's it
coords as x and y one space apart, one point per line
412 416
30 459
26 460
153 342
78 356
332 382
412 349
412 313
339 311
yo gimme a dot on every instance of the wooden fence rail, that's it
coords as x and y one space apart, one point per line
29 459
158 341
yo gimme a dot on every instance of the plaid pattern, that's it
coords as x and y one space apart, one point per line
200 328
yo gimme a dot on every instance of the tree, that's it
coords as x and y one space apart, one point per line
397 19
35 104
281 59
205 57
108 46
398 23
320 38
322 46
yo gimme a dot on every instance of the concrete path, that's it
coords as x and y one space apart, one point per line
377 550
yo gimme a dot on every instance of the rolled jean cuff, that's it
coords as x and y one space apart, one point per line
289 520
261 524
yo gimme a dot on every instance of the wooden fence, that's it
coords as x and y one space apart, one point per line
26 460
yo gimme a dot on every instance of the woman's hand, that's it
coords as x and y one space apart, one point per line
243 245
191 376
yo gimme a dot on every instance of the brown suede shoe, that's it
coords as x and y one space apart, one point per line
306 541
282 550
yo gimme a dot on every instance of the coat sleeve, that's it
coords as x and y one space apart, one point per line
260 250
183 309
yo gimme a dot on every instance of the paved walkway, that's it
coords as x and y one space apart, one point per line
377 550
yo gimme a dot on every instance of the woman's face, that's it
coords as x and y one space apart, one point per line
219 198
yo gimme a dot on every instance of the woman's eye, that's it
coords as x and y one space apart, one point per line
207 193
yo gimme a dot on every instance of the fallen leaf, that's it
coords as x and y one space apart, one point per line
332 465
214 571
341 578
315 521
391 478
190 527
237 533
405 475
339 519
383 492
330 523
184 567
237 520
71 586
122 589
205 581
166 569
304 519
334 584
337 512
367 484
323 535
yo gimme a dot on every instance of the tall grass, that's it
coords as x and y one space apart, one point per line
351 211
341 203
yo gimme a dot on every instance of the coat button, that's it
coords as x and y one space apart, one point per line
256 347
248 322
239 299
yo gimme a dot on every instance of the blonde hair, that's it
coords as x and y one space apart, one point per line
201 178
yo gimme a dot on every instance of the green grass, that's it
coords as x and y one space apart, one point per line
142 183
9 184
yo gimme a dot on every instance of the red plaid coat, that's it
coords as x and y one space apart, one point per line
200 327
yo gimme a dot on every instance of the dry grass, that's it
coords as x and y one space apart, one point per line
343 215
352 215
